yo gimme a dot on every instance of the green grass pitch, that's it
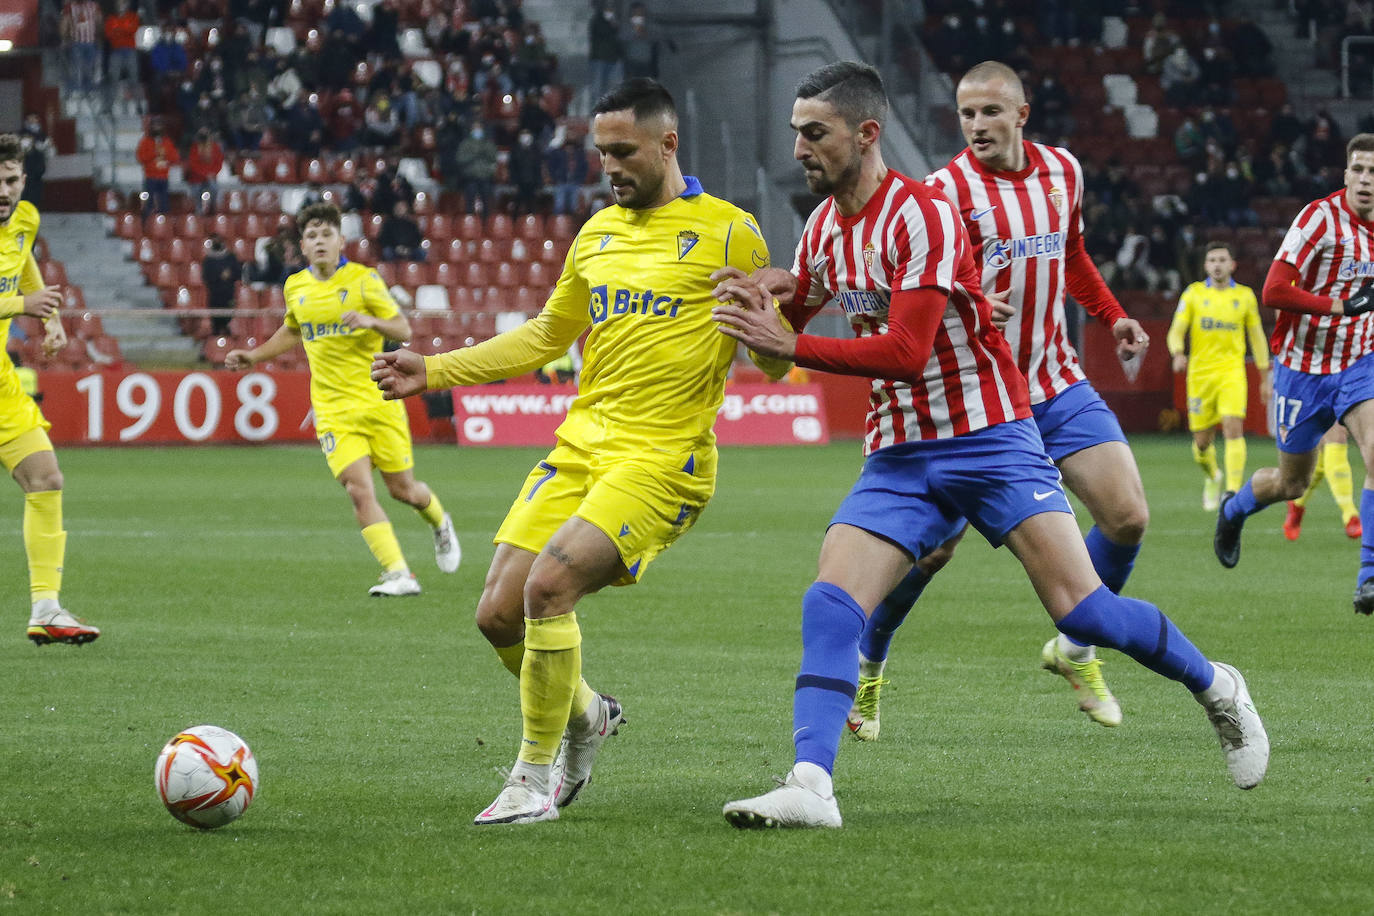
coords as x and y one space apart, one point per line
231 587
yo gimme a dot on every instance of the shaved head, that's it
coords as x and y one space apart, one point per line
991 70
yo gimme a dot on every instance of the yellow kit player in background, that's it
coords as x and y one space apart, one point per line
343 314
1218 314
635 460
1333 464
25 449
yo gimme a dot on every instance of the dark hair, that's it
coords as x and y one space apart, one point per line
1213 246
646 97
321 212
1360 143
11 149
854 89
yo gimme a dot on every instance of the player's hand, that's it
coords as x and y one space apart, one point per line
43 303
357 320
55 337
1180 362
779 282
238 360
749 317
1131 339
1002 310
399 373
1361 302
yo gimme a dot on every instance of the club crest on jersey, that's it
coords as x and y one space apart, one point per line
686 241
870 253
1057 198
605 240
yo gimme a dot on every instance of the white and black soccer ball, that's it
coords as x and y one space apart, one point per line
206 776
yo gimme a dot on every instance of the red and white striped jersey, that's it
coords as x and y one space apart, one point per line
1020 224
909 237
85 21
1333 250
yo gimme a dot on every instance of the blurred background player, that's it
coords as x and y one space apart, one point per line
1021 203
25 449
1333 466
1320 282
343 313
635 461
1217 315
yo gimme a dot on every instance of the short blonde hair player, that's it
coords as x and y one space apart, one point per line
342 312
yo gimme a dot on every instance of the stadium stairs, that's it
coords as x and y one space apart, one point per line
101 267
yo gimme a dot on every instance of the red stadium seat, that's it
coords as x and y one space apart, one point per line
54 273
488 252
158 226
461 299
189 226
346 170
225 225
110 202
538 276
446 274
499 227
243 248
166 274
178 252
192 273
86 325
266 203
363 251
315 170
389 272
372 225
562 227
530 228
424 204
234 201
470 227
73 297
506 276
255 227
475 275
414 274
127 226
440 229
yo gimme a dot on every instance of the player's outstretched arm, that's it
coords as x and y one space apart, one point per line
282 340
399 373
748 316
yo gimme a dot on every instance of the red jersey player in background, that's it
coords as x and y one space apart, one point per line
1021 203
1320 282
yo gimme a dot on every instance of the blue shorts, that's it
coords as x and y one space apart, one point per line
917 494
1306 406
1075 419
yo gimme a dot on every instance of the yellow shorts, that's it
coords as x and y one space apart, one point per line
642 502
382 435
1213 396
23 430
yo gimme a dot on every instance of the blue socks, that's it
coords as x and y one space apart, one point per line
1112 561
1242 505
831 623
1367 540
1140 630
888 616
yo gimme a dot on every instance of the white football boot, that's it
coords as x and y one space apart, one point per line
522 802
395 584
579 750
447 553
791 804
1244 743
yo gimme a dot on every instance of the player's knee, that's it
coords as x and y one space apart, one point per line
42 481
501 621
546 595
1128 524
1293 487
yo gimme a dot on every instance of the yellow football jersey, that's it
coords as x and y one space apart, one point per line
340 357
654 364
1217 322
18 275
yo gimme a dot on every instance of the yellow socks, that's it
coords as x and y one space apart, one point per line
548 679
1235 463
381 540
511 656
1336 464
45 543
434 512
1206 459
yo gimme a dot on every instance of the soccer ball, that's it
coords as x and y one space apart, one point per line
206 776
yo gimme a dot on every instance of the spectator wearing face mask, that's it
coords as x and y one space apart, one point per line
526 173
476 164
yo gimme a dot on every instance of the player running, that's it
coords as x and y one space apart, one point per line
950 437
635 461
25 450
1218 315
343 312
1320 283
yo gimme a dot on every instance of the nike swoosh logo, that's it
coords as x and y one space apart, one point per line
979 214
1041 496
820 264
